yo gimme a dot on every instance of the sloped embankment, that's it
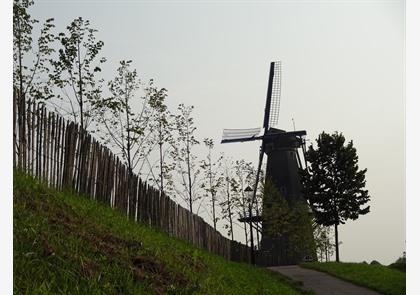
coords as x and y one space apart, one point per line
67 244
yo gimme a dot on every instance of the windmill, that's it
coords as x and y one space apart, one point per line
283 160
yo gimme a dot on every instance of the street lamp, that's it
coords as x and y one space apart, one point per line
249 192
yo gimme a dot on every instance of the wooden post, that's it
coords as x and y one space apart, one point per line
47 151
28 139
53 139
14 128
44 142
33 132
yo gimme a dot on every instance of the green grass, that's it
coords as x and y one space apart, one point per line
398 266
377 277
67 244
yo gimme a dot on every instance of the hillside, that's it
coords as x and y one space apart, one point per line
67 244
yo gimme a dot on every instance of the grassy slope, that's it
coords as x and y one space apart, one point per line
66 244
377 277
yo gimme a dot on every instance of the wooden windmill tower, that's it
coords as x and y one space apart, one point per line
283 161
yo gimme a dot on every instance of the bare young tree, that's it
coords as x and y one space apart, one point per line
324 245
161 127
243 176
76 69
230 186
183 157
124 116
212 179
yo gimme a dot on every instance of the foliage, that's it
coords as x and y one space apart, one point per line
185 161
76 70
66 244
243 176
399 264
229 186
212 177
161 127
276 212
291 221
324 245
377 277
30 70
333 183
125 125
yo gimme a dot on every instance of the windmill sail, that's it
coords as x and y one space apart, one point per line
272 104
239 135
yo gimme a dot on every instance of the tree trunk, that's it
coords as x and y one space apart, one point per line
161 155
258 234
337 254
245 228
129 160
161 167
80 88
189 170
229 211
213 200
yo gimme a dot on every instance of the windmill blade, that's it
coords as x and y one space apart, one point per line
240 135
272 104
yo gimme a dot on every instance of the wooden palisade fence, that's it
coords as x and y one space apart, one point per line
64 156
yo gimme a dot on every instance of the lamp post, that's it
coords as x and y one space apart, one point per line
249 193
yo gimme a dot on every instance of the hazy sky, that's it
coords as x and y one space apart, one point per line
343 70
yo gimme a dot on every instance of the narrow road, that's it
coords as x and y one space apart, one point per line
321 283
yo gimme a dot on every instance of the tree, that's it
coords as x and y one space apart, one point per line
323 245
123 117
289 222
161 127
212 178
29 76
125 125
276 212
183 156
76 69
244 175
333 183
29 66
230 186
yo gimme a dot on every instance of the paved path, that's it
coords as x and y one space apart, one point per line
321 283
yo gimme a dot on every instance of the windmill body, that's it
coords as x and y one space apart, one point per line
283 163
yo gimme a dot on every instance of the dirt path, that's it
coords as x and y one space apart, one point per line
321 283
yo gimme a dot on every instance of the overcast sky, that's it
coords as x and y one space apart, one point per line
343 70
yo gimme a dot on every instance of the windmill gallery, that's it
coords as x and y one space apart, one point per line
282 170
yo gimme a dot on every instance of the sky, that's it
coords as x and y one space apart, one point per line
343 70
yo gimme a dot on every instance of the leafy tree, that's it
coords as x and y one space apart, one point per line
76 69
276 212
120 123
333 183
124 115
323 245
29 66
30 61
183 157
212 178
227 204
161 126
243 176
291 222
